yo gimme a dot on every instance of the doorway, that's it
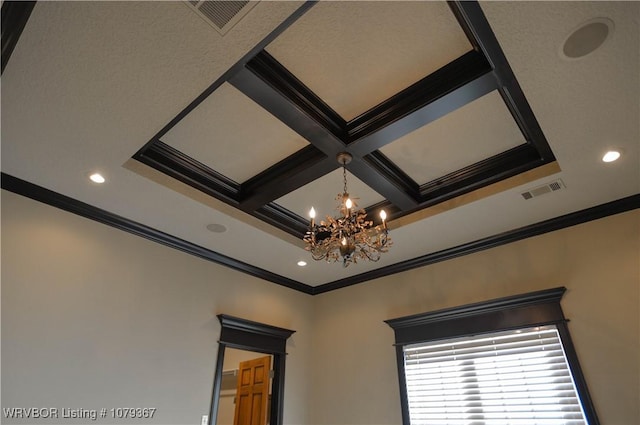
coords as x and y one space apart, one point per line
245 388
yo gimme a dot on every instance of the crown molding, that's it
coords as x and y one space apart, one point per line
49 197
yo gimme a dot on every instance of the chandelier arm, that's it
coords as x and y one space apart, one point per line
372 252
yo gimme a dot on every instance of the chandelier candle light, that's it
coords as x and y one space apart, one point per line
350 237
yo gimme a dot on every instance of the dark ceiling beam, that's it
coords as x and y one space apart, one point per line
399 194
269 84
506 164
189 171
283 219
503 165
182 167
474 23
458 83
15 15
274 88
293 172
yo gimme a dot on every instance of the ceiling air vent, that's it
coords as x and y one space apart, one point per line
541 190
221 14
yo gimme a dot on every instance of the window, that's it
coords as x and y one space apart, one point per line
513 377
507 361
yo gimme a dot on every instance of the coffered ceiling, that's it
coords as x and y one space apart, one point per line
451 111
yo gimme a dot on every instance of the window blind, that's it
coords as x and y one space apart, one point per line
513 377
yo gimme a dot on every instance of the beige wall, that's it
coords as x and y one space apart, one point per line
93 317
355 375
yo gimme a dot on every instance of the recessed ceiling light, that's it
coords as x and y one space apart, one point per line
302 263
611 156
97 178
587 38
216 228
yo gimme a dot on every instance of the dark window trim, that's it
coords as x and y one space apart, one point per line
527 310
248 335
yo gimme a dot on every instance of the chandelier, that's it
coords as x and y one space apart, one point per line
350 237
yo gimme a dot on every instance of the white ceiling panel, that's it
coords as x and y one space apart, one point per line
355 55
476 131
233 135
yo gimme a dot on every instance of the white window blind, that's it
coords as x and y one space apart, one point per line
512 377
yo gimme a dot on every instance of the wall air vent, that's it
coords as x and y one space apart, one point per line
221 14
546 188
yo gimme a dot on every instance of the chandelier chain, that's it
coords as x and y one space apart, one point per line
344 177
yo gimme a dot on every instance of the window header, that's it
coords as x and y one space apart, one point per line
534 308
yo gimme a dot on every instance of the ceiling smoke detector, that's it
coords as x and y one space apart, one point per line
544 189
221 14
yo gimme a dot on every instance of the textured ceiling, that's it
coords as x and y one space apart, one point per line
467 135
90 83
204 134
380 45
